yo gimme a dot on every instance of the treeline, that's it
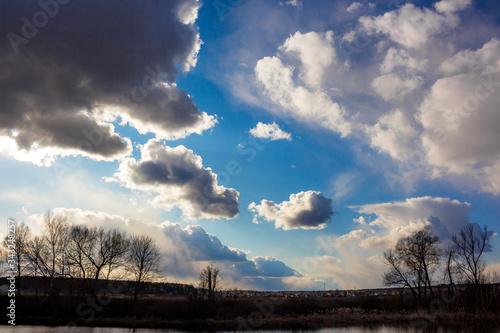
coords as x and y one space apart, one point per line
87 254
418 261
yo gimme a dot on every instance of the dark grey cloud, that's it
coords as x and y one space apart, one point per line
179 179
305 210
66 64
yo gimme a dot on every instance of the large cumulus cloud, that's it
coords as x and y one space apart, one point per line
392 79
305 210
89 62
178 178
460 116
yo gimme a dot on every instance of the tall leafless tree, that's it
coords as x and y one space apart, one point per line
468 250
22 237
210 279
80 243
108 248
55 237
143 260
38 255
49 248
413 261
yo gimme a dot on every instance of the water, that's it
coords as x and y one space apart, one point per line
64 329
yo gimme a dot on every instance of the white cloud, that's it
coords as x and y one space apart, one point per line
314 107
399 219
354 7
305 210
460 119
343 263
491 175
485 58
409 25
451 6
368 69
315 52
391 86
178 178
393 134
361 220
295 3
188 11
270 131
344 184
401 61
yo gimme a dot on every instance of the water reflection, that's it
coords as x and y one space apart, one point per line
378 329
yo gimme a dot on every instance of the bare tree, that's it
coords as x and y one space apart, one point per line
49 248
39 259
54 236
467 252
38 255
143 260
20 241
210 279
413 261
399 274
79 246
108 246
119 244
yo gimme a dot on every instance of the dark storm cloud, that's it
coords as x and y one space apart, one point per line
63 63
178 177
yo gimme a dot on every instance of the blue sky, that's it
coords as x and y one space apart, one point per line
288 142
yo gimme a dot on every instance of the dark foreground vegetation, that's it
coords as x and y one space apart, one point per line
468 307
